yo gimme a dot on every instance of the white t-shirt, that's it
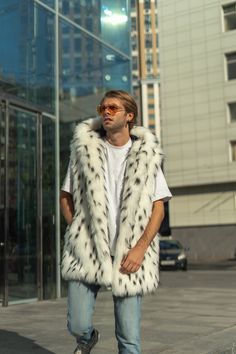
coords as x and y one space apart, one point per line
115 169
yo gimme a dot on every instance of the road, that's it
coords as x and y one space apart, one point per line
209 275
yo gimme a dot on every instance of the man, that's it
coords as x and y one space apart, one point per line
112 200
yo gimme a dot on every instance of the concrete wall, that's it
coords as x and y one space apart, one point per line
203 205
196 130
210 243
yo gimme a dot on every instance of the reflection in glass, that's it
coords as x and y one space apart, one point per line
50 3
22 253
27 52
107 19
2 200
88 69
48 189
115 24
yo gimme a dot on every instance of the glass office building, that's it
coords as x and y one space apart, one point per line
57 60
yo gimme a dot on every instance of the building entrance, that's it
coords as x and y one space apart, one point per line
21 198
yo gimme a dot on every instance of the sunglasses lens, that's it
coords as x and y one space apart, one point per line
112 109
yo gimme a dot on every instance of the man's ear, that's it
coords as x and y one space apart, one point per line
130 117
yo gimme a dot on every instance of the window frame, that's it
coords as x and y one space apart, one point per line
227 62
225 15
232 147
231 118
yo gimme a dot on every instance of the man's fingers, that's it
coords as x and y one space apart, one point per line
123 260
129 267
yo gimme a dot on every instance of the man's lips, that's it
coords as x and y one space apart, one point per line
107 119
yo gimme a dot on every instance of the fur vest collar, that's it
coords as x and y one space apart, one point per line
86 253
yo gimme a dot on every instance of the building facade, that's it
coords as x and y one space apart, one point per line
198 109
57 59
145 62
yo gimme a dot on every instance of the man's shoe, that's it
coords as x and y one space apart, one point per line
86 348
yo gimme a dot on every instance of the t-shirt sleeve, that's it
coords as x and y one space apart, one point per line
67 184
161 190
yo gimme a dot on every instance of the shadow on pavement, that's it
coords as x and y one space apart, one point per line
13 343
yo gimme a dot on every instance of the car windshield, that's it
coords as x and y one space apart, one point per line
167 245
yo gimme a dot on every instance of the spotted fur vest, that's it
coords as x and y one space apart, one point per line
86 254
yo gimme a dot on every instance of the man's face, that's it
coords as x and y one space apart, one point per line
113 114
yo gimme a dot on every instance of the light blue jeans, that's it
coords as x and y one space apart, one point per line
127 310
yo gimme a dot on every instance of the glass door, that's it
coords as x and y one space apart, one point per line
2 200
21 204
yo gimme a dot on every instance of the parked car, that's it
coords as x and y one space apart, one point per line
172 254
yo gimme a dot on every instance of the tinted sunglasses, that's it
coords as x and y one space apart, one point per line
112 109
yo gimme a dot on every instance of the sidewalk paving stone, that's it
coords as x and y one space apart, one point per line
195 320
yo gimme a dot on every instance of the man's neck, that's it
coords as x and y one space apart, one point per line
117 139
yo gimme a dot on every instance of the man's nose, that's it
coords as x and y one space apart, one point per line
107 110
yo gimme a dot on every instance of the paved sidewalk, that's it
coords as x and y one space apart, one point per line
198 320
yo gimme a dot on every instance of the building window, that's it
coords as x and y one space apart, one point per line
232 111
149 62
134 42
147 23
157 40
233 150
133 23
66 45
77 44
152 126
156 21
135 63
147 4
231 65
133 4
148 41
230 16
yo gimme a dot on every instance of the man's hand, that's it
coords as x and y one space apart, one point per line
133 260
